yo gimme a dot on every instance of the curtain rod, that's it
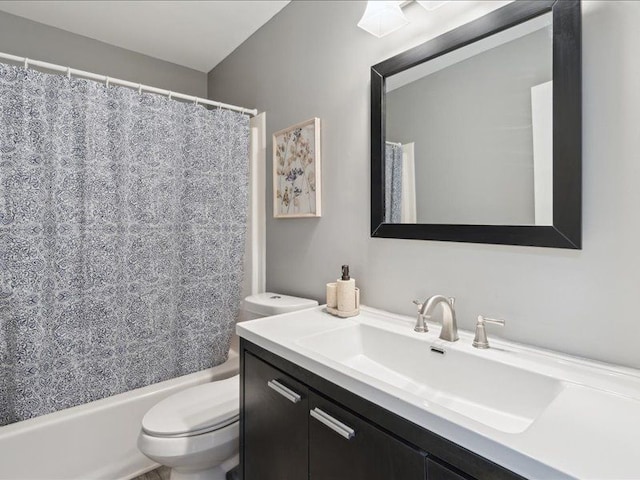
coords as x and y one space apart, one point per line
116 81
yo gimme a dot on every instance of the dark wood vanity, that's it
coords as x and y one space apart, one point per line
296 425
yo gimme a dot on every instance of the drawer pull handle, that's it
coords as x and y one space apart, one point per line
284 391
335 425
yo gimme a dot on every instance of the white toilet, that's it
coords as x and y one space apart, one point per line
196 431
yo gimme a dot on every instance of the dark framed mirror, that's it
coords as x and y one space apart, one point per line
476 134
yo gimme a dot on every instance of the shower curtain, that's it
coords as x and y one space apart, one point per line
393 183
122 228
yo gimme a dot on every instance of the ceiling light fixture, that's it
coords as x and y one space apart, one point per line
382 17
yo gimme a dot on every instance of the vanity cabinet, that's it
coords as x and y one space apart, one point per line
295 425
290 432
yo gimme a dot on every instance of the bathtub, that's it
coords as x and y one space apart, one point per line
92 441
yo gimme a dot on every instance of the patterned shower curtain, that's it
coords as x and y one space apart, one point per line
393 183
122 229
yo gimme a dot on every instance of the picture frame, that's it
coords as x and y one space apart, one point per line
296 171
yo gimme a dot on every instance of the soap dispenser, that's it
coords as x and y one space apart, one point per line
346 291
347 303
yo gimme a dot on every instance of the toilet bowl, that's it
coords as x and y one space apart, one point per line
196 431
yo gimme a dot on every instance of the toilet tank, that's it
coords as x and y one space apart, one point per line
267 304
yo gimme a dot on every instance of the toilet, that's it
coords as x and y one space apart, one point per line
195 432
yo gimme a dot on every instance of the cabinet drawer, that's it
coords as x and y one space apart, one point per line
274 424
344 446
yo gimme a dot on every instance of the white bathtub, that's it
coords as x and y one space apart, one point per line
92 441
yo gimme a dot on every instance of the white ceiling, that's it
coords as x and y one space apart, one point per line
195 34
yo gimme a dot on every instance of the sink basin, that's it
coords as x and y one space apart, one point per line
501 396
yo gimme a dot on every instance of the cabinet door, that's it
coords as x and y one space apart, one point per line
437 471
343 446
275 423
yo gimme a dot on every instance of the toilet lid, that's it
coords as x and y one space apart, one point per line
195 410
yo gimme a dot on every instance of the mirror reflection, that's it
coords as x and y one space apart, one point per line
469 133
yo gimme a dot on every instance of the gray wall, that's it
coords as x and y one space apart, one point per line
312 60
22 37
472 129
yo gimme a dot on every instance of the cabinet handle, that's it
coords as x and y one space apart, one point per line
335 425
284 391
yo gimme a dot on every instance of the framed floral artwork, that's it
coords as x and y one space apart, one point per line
296 171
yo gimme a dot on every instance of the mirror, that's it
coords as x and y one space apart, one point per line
476 134
472 128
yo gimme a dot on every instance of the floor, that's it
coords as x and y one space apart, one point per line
161 473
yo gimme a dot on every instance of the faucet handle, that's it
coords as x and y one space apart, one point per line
495 321
421 325
480 340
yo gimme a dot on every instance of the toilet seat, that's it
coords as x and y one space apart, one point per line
196 410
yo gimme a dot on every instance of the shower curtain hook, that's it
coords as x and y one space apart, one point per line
196 101
26 63
107 81
170 93
69 73
139 89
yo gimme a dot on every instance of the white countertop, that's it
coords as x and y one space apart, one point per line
590 430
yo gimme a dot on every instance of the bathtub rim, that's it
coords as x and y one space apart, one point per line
229 368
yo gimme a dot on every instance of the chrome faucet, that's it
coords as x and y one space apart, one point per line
449 330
